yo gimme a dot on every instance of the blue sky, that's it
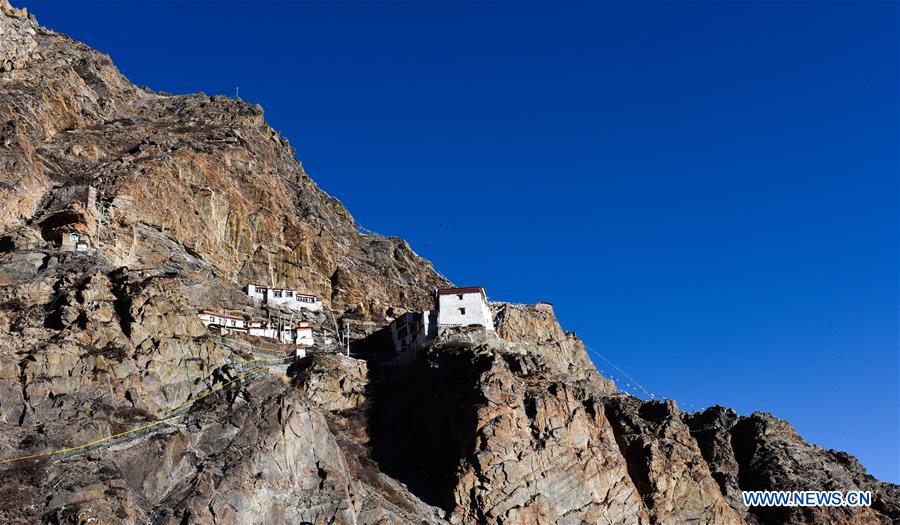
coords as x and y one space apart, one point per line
707 192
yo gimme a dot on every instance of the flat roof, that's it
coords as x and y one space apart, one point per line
468 289
273 288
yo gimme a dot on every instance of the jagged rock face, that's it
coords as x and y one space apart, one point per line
268 458
711 430
535 326
100 339
331 381
468 434
761 452
666 465
17 33
771 454
493 435
543 453
169 204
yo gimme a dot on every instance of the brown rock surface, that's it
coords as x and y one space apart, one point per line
666 465
332 381
535 326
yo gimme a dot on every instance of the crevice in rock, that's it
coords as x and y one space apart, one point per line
334 280
590 407
631 450
744 444
122 303
23 382
6 244
129 398
711 429
44 262
323 475
53 309
530 407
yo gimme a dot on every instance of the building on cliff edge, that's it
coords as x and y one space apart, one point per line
284 297
454 307
299 334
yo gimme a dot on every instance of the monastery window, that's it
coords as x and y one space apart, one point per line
459 296
276 293
288 294
462 311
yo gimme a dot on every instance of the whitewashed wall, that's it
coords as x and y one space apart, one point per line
476 310
221 320
304 337
296 301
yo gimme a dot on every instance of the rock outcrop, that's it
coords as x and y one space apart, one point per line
332 381
127 211
666 464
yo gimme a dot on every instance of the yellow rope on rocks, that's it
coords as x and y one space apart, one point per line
102 440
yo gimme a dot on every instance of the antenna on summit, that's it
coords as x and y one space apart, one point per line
237 92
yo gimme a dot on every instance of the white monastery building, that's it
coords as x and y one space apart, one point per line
454 307
300 334
284 297
222 320
464 307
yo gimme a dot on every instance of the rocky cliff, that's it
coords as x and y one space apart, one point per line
126 211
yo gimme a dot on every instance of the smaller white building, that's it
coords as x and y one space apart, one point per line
233 322
74 241
464 307
284 297
300 335
303 335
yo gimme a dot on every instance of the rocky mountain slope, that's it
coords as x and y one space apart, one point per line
122 408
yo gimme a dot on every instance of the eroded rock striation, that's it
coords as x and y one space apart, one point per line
126 211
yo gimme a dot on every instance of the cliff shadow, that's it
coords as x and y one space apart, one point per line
422 420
